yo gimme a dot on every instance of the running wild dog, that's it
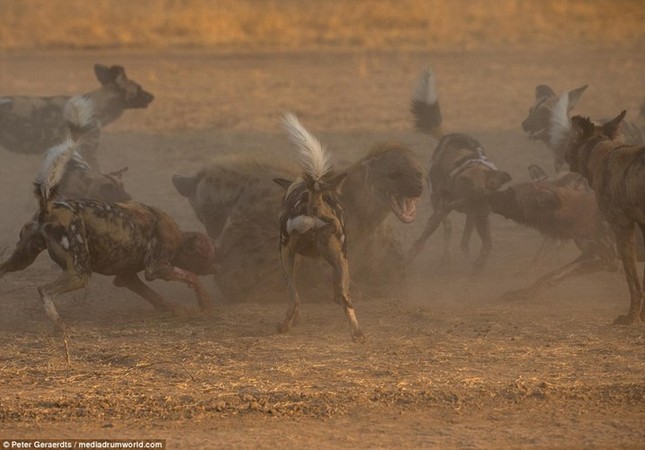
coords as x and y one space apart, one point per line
560 208
616 172
34 124
312 223
117 239
460 176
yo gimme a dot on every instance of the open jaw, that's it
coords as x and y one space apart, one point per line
405 208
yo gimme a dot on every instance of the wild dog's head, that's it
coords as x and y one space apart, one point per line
108 187
540 118
395 176
584 135
131 93
196 253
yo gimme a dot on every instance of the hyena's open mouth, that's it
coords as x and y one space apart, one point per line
405 208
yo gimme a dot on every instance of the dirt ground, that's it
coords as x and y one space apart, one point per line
447 363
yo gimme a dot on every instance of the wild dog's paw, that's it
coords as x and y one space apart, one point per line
358 337
627 319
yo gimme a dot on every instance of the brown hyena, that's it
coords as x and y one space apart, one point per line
561 208
235 198
460 176
312 224
616 173
117 239
34 124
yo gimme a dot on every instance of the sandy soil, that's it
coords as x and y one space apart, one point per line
447 363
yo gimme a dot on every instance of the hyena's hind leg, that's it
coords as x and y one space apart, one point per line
333 254
133 283
289 260
30 245
627 249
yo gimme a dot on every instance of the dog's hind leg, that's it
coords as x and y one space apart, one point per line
469 226
482 224
626 249
333 254
288 258
431 226
134 283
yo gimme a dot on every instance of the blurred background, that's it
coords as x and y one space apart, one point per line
319 24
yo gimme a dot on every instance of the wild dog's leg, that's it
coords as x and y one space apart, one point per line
156 268
72 254
288 259
30 245
431 225
642 228
447 237
333 253
469 226
626 249
134 283
583 264
482 224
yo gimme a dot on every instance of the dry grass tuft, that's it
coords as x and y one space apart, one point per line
418 24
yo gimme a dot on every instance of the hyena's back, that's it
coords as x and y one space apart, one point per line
31 124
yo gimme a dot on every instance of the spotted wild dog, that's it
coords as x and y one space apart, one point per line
34 124
616 172
312 223
115 239
460 176
560 208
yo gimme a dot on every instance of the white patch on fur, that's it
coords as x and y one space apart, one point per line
302 224
313 157
426 90
53 168
79 111
64 242
559 124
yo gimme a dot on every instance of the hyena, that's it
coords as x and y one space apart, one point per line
616 172
561 208
114 239
312 224
460 176
34 124
235 197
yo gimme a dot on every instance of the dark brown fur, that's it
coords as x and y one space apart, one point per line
34 124
616 173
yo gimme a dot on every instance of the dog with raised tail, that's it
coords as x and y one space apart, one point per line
114 239
312 223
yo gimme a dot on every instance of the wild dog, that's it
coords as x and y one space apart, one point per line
460 175
616 173
312 223
561 208
115 239
233 197
34 124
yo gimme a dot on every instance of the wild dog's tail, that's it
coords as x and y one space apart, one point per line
315 160
83 126
559 124
425 105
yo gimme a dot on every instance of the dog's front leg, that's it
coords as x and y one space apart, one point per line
627 250
134 283
168 272
431 226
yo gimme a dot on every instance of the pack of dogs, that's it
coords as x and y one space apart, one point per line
265 217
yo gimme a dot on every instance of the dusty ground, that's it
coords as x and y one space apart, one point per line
447 364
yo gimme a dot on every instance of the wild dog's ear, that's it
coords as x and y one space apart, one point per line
610 129
186 186
575 95
537 173
495 179
284 184
583 124
337 182
105 74
547 199
543 90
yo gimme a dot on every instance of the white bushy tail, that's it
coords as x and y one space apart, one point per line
314 159
425 104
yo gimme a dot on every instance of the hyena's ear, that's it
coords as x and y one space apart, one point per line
284 184
537 173
575 95
543 90
610 129
337 182
186 186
